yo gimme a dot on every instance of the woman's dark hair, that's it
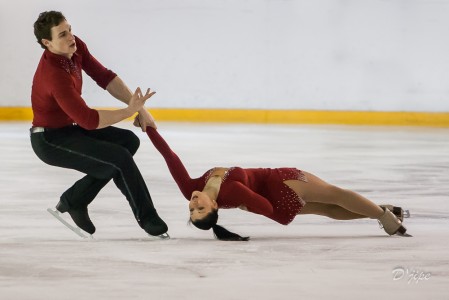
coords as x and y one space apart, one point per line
44 23
221 233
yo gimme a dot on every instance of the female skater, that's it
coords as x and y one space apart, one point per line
279 194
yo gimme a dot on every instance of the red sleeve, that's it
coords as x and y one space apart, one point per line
236 191
70 101
176 167
93 67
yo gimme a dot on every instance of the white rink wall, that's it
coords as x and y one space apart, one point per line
369 55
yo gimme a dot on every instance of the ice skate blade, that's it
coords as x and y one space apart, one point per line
76 230
402 231
404 234
163 236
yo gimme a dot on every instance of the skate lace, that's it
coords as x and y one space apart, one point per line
380 224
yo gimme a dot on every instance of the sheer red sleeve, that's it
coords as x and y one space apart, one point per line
234 191
179 173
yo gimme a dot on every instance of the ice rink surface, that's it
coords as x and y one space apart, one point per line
312 258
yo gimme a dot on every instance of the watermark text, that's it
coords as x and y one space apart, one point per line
410 275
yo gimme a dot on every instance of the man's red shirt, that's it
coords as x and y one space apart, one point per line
57 87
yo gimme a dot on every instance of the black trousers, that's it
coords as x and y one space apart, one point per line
102 155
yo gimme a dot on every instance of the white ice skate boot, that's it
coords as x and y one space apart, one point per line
397 211
391 224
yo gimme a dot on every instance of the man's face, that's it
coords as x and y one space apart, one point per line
63 41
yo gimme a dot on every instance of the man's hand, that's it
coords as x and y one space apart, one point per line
137 100
135 104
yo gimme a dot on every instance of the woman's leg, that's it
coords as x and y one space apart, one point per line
316 190
329 210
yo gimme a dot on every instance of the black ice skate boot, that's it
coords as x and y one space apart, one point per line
391 224
154 226
79 215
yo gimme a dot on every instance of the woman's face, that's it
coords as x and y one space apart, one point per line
63 41
200 205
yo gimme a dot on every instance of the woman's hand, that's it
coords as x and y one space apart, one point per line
144 119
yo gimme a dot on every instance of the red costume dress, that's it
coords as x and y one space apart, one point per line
261 191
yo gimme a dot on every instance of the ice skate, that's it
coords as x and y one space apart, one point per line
397 211
156 227
80 216
55 213
391 224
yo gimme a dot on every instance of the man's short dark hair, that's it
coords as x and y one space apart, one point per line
44 23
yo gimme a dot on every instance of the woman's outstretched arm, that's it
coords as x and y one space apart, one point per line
174 164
